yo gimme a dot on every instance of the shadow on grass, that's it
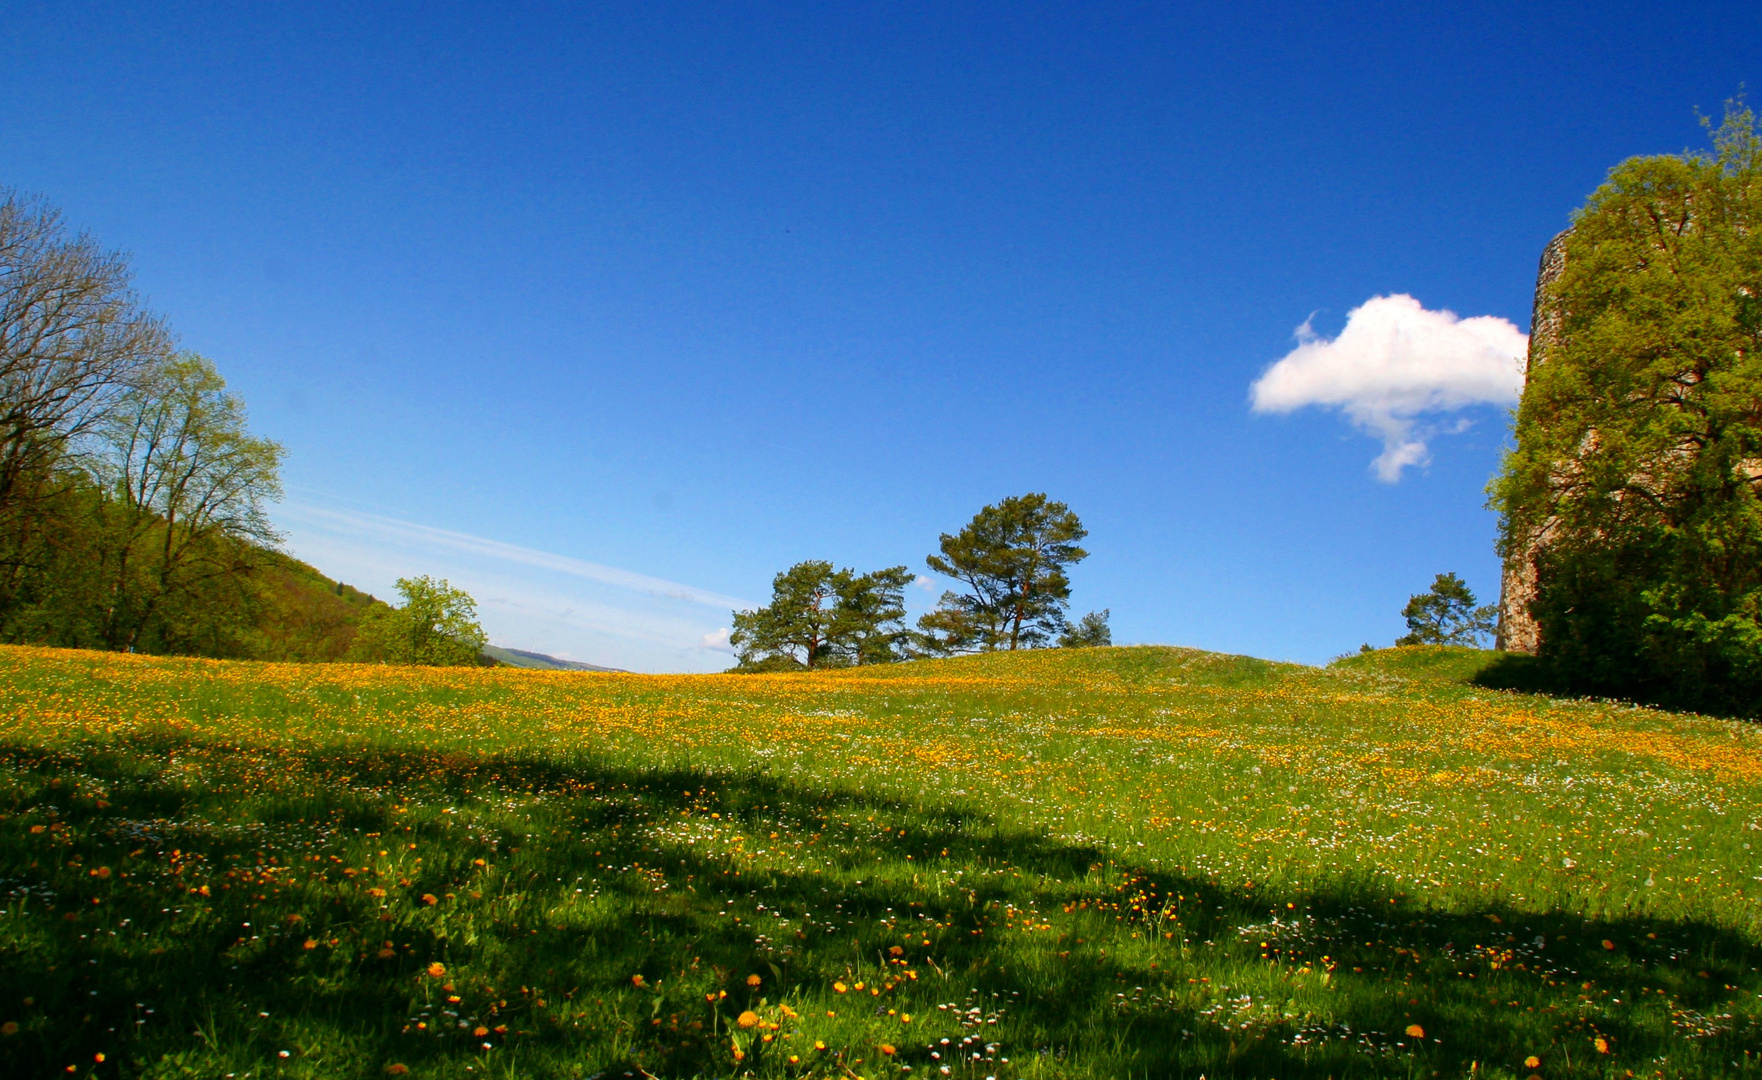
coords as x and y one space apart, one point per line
592 874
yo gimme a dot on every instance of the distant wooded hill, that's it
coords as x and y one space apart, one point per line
539 661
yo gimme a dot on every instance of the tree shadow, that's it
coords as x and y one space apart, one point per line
546 888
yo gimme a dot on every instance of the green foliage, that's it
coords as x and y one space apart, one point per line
1447 615
1012 559
1639 438
1091 631
823 617
436 627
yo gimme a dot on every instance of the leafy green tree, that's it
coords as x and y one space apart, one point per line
73 338
869 626
1012 559
1636 481
187 485
823 617
1447 615
1090 632
436 626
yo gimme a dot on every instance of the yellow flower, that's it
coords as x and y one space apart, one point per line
1532 1062
1415 1031
1602 1045
840 987
436 970
748 1019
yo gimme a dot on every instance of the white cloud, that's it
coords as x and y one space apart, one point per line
1394 363
717 640
925 583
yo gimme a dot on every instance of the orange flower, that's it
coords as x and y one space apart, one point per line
1607 944
9 1028
748 1019
396 1070
102 871
1602 1045
387 953
887 1048
1532 1062
436 970
310 944
636 980
753 980
840 987
1414 1031
895 951
480 1031
429 899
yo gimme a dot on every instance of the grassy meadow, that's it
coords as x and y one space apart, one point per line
1102 863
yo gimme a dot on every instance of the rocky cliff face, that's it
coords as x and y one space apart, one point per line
1518 631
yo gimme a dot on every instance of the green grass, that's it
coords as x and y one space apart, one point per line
1106 863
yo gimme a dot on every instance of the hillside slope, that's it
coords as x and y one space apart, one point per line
1063 863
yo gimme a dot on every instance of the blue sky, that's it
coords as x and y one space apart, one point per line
611 313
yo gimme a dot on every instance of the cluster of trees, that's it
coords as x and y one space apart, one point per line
1636 482
1011 561
133 495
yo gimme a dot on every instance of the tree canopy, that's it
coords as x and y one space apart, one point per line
1012 559
1446 615
1637 473
436 626
1089 632
823 617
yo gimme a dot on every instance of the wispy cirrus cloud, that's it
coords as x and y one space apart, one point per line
392 528
1393 366
527 598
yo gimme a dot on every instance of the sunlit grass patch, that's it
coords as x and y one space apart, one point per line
1087 863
